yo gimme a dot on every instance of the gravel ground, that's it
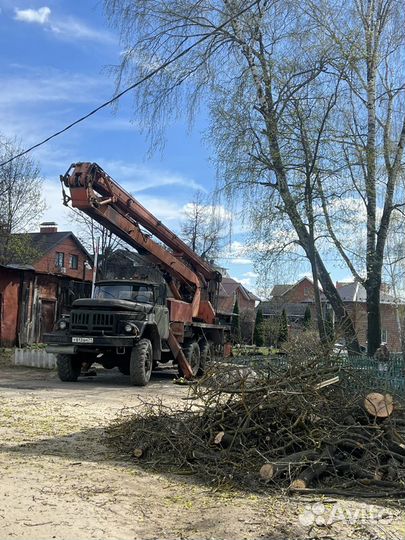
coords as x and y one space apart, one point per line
60 480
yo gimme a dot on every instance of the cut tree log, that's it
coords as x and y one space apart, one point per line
314 471
379 405
138 452
268 471
223 439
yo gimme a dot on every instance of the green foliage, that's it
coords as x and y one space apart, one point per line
307 318
235 327
283 328
258 331
18 248
270 331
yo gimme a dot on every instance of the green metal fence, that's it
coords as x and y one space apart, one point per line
362 371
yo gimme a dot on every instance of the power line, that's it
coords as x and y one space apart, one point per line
138 83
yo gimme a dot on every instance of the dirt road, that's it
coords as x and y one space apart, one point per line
60 480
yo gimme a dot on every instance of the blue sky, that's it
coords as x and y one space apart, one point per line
54 57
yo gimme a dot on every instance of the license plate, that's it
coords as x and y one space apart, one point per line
82 340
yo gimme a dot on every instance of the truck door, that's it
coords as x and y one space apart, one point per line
162 321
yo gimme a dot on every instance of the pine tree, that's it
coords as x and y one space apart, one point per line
283 331
235 328
258 331
307 318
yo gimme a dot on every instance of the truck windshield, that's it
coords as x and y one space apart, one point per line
134 292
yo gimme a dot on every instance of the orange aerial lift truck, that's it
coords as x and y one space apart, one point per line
137 323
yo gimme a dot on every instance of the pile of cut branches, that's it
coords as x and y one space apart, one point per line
307 429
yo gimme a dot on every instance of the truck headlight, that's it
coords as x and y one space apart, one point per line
62 325
130 328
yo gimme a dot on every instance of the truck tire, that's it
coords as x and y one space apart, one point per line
69 367
141 363
206 355
193 356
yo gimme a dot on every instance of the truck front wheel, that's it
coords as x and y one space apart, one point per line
141 362
69 367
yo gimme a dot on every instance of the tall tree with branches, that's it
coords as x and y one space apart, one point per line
274 79
90 233
369 38
21 202
202 227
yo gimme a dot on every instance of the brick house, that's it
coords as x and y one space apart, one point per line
231 290
33 296
58 253
296 297
354 297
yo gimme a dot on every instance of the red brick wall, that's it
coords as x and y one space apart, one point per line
227 303
9 291
301 292
389 322
68 247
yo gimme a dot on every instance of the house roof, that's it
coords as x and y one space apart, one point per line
355 292
42 243
292 310
279 290
229 285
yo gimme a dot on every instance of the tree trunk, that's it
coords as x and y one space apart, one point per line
373 315
318 305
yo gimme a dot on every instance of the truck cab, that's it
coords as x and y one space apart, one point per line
124 325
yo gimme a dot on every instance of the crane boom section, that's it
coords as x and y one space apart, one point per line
95 193
102 183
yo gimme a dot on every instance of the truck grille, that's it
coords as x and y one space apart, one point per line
92 323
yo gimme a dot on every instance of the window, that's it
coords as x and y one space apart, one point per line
134 292
60 259
306 291
384 335
74 262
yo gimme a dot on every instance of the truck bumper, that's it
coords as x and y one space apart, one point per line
63 344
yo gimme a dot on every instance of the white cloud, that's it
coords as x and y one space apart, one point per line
138 177
73 29
218 211
68 28
236 253
56 211
250 275
36 16
162 208
38 87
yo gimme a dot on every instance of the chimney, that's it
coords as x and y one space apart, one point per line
48 227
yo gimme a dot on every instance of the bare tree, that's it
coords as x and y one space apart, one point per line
262 71
203 227
21 201
89 233
369 36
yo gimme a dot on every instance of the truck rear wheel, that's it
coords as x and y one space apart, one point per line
69 367
193 356
206 355
141 362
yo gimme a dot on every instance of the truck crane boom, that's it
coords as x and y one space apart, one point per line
94 192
